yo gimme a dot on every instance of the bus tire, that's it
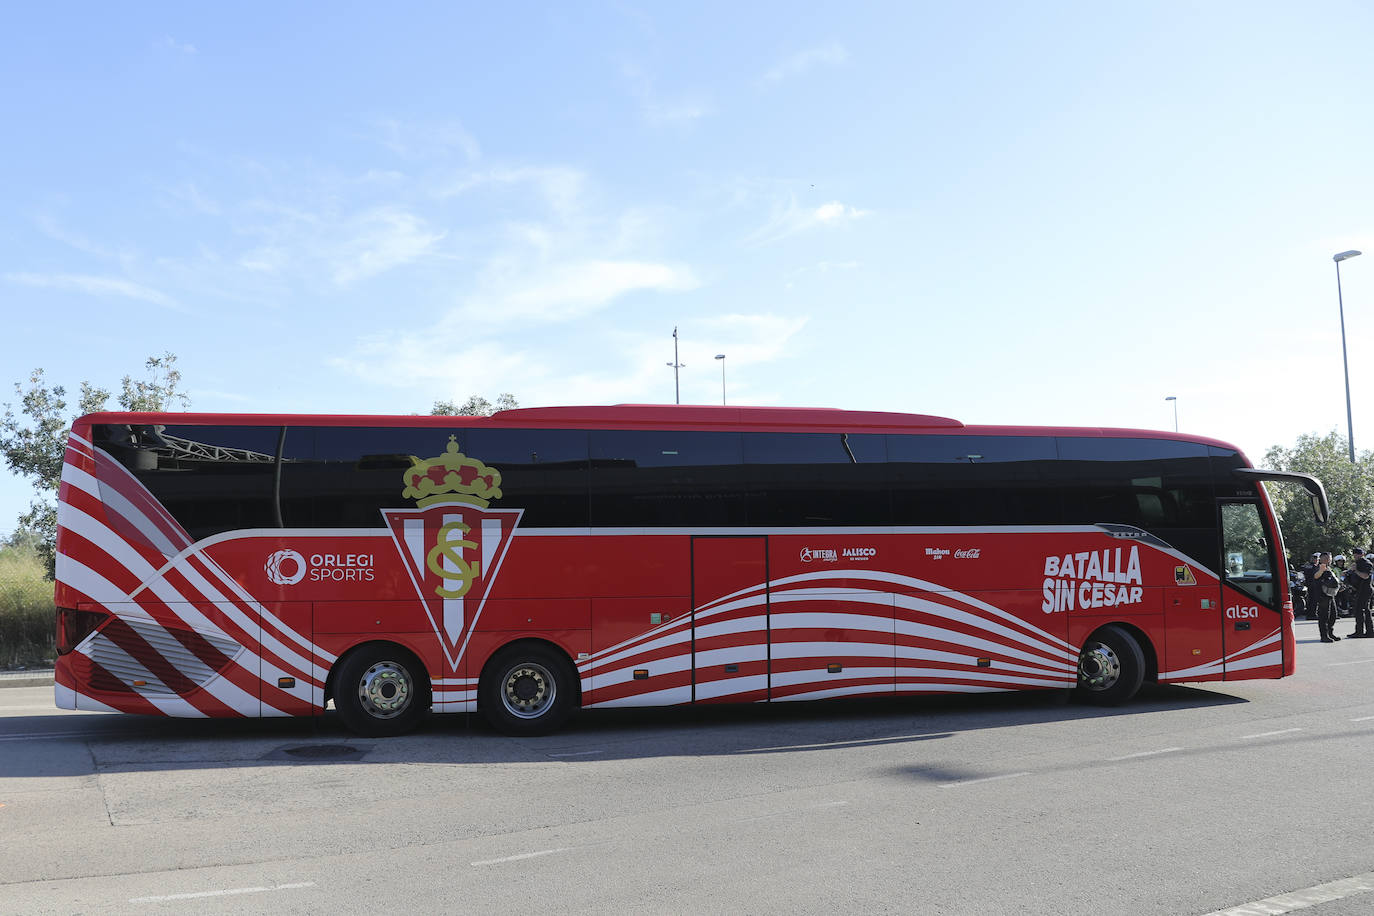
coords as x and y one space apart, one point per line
1111 667
381 690
527 689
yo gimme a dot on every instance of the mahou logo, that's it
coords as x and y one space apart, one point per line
452 544
285 567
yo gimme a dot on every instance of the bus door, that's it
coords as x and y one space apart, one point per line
730 619
1251 593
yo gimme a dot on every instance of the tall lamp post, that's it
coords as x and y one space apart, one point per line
1174 398
721 357
677 389
1350 423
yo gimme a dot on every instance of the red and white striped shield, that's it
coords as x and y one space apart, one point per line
453 551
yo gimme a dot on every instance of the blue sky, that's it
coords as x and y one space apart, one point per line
1002 213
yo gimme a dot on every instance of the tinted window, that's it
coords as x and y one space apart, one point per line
797 479
971 480
642 478
358 471
210 478
1160 485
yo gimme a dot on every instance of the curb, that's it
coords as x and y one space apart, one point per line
26 679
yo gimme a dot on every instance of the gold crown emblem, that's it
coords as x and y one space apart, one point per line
452 477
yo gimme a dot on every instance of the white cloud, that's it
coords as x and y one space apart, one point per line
561 187
380 240
94 286
659 111
574 289
344 248
792 219
630 368
183 47
48 225
831 55
428 141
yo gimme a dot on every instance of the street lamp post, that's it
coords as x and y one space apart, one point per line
721 357
677 389
1349 421
1174 398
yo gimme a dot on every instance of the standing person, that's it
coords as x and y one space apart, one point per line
1363 591
1309 580
1326 586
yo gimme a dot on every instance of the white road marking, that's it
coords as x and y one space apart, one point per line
1358 661
969 782
1302 899
1163 750
578 753
1362 719
857 742
224 893
789 811
523 855
47 735
1282 731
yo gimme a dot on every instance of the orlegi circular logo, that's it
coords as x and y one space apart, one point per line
289 575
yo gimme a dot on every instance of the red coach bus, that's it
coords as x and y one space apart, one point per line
541 560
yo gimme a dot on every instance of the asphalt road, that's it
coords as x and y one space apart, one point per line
1191 800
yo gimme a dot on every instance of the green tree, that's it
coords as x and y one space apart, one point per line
474 406
33 439
1348 488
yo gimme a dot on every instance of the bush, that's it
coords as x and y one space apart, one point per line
26 610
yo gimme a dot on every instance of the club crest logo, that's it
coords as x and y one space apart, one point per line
452 542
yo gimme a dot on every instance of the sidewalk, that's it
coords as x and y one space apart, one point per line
26 677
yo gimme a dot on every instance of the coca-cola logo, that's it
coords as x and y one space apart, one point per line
968 553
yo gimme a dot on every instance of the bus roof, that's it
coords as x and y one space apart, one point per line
657 416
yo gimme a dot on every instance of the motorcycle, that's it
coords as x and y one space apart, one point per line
1297 589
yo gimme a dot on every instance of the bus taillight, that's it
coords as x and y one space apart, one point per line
74 626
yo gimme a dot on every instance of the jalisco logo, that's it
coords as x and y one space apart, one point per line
452 543
831 555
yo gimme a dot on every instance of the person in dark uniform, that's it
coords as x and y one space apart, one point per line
1326 585
1309 581
1362 592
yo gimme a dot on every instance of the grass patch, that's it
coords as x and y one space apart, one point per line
26 611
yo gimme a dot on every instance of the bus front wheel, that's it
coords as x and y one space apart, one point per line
381 690
527 689
1111 667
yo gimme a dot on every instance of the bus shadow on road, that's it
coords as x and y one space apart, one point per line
135 744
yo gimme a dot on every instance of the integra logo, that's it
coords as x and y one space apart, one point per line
287 567
824 554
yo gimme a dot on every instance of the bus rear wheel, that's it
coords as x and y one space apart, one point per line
1111 667
527 690
381 690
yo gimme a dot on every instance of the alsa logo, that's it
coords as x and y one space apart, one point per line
823 554
1237 612
287 567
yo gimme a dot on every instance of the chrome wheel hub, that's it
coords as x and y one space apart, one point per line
1099 668
528 690
385 690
